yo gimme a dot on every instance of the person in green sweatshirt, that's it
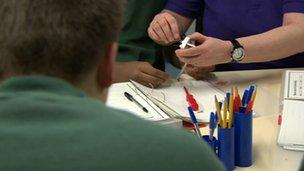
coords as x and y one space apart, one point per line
56 62
139 58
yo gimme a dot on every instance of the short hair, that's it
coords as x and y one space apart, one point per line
64 38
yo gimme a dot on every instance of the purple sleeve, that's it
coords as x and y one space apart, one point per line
186 8
293 6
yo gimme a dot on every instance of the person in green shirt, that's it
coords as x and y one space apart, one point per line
57 60
139 58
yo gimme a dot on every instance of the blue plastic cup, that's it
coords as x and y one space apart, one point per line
212 143
243 139
226 147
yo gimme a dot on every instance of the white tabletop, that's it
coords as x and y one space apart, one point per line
268 155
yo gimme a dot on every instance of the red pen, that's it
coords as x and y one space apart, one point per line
249 107
251 102
191 101
237 100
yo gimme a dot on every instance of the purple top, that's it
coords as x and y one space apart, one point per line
231 19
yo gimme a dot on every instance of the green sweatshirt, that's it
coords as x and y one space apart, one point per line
134 43
46 124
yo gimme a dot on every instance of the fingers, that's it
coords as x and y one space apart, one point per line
164 29
174 27
199 73
154 36
198 37
148 69
148 75
149 80
190 52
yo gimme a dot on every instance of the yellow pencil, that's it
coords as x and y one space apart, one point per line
218 111
231 102
225 114
254 95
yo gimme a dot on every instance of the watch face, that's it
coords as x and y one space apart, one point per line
238 54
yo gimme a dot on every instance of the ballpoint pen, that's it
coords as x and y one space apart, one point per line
237 101
218 111
212 125
250 93
194 122
132 99
251 102
244 97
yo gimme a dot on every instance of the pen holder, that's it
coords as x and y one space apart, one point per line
226 147
243 139
212 143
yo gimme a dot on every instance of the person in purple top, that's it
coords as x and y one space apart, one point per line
237 34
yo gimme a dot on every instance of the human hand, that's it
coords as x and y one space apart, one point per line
199 73
141 72
164 29
211 51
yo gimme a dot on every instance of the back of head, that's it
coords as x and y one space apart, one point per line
61 38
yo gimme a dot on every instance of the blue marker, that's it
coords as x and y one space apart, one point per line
194 121
228 98
244 98
212 125
216 119
250 92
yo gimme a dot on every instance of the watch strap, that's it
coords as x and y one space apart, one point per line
236 44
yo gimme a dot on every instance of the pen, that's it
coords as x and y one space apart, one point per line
237 101
194 122
212 124
218 111
228 98
244 98
249 95
251 102
132 99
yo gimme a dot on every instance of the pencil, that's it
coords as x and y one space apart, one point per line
218 111
254 95
225 114
231 113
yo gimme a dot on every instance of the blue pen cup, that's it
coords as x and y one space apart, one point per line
243 139
226 147
212 143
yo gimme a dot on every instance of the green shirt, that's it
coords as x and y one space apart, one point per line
47 124
134 43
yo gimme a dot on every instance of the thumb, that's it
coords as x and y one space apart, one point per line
198 37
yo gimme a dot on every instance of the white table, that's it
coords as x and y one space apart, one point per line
268 155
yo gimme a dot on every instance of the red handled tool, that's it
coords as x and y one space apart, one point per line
191 101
